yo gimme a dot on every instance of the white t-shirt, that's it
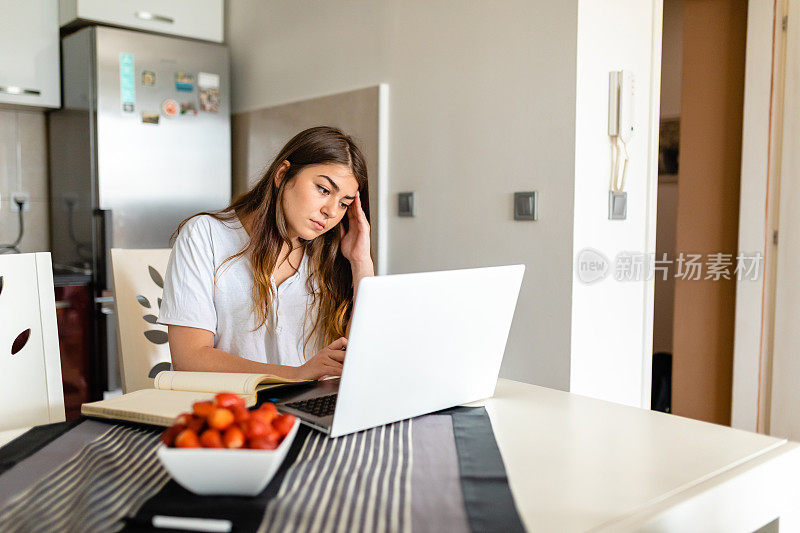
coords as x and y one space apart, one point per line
191 298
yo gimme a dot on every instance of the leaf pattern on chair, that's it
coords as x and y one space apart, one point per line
20 342
157 279
144 302
156 336
159 367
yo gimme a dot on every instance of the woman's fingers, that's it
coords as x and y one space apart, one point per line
338 344
362 216
337 355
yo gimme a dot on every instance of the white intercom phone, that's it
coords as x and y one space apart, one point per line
621 128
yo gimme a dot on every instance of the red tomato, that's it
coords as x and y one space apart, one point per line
262 443
240 414
264 415
233 437
269 407
283 423
221 418
187 439
184 419
268 442
203 409
197 424
168 437
256 428
211 438
228 400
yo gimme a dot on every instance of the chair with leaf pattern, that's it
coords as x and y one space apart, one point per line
31 391
138 286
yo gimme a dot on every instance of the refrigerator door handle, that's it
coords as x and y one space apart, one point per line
103 243
146 15
20 90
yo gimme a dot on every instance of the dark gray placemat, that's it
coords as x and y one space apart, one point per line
487 497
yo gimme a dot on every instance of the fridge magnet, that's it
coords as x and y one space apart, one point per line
184 81
209 100
127 86
148 78
188 108
170 107
208 86
150 118
207 80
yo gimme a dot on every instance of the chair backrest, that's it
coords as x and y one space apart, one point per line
138 286
31 391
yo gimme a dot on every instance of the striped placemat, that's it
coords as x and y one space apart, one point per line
440 472
359 482
107 479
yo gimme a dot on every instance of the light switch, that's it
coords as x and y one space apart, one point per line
405 204
525 205
617 205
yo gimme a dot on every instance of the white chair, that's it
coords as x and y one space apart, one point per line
138 286
31 391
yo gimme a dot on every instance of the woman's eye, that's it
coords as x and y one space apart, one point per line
322 189
345 206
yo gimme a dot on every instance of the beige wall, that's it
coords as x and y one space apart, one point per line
664 307
671 61
23 168
708 203
481 104
259 135
486 99
671 58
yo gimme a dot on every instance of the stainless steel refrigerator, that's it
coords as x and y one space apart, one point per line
142 142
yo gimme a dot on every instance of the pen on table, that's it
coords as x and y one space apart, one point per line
211 525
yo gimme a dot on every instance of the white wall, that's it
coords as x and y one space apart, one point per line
753 297
482 104
612 320
784 416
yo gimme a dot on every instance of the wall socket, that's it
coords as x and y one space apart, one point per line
24 197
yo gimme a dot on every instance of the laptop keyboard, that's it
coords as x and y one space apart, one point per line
320 406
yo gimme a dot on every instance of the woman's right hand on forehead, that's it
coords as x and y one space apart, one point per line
327 362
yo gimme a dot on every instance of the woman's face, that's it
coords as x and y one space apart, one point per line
317 199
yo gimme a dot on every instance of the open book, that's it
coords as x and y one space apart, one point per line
176 391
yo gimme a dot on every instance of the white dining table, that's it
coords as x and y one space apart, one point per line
580 464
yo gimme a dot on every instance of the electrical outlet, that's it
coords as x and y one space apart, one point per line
23 197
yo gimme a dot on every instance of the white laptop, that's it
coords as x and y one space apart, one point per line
418 343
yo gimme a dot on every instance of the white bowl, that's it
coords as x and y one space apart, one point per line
222 471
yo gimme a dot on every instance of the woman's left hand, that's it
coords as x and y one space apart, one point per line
355 243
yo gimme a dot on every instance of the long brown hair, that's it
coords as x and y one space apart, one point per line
262 204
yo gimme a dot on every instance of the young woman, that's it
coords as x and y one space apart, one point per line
267 284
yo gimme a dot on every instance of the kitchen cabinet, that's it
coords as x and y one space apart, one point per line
198 19
29 57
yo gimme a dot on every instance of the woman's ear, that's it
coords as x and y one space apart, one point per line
281 172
